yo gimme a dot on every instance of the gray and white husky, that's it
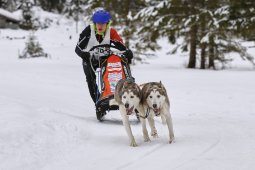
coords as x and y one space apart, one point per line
156 103
128 96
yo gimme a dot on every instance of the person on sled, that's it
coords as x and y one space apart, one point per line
99 32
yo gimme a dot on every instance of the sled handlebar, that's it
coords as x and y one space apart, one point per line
107 51
104 45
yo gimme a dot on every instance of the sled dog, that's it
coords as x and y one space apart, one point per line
156 103
128 96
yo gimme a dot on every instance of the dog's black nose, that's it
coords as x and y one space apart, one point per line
154 106
126 105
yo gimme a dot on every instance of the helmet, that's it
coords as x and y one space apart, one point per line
101 16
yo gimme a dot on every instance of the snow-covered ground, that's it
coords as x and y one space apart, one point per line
48 122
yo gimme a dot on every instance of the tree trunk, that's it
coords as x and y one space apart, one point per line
193 45
203 53
211 52
203 44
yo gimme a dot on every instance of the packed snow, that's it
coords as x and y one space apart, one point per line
48 119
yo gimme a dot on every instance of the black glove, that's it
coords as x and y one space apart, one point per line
129 55
85 56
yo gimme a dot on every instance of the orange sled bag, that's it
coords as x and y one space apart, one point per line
113 70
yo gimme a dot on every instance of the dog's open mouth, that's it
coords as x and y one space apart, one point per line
156 111
130 110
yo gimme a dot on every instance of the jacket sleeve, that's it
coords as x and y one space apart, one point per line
83 41
117 40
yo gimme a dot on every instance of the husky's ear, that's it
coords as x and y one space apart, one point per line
145 92
138 91
160 84
117 96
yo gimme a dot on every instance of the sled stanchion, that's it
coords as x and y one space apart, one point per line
98 75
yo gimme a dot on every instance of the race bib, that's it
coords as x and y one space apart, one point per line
99 52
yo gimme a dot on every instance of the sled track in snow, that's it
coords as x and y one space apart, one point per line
143 156
213 145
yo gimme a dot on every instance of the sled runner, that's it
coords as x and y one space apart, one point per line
110 66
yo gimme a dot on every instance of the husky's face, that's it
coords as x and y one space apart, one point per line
155 100
130 101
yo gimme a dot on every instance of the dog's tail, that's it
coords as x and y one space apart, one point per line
163 119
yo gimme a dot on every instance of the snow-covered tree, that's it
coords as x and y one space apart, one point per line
204 25
242 18
33 48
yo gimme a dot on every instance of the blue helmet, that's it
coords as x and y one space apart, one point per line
101 16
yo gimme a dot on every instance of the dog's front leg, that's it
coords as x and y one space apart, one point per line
143 120
169 125
145 132
151 121
126 123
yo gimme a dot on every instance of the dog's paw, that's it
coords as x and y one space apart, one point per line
154 134
171 140
133 143
146 139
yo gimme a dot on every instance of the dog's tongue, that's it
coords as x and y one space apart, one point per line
130 110
157 112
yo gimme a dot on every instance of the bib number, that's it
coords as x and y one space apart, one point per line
99 52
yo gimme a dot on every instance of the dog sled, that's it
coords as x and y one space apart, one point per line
111 67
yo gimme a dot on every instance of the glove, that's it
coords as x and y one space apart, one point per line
85 56
129 55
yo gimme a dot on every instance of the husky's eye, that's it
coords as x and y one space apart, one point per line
131 97
124 97
150 97
158 96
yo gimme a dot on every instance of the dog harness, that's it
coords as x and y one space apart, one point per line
146 114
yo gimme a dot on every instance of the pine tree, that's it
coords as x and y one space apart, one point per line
171 19
33 48
242 15
205 25
234 20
